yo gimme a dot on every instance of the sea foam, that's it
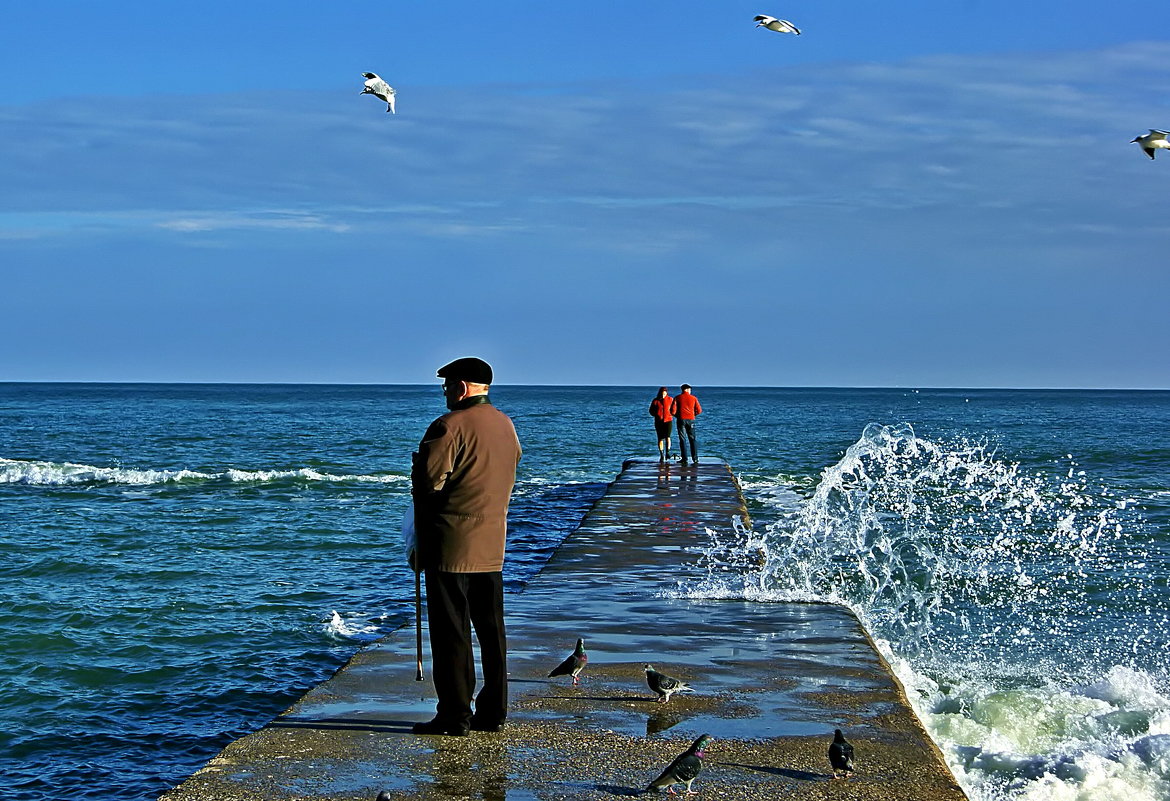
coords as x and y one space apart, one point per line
18 471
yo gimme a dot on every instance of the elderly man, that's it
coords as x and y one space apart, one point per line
462 479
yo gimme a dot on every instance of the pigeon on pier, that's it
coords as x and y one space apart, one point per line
685 768
1152 141
841 755
574 663
778 25
380 89
664 685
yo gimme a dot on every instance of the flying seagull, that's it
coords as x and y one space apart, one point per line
574 663
664 685
685 768
840 755
1152 141
778 25
380 89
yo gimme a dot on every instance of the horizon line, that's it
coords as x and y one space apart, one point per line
907 387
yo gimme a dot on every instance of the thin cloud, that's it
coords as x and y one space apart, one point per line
282 221
800 135
859 201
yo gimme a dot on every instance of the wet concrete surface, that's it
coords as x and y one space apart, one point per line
771 683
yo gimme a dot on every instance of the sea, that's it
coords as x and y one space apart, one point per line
180 562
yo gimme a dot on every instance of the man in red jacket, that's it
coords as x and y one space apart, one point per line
685 409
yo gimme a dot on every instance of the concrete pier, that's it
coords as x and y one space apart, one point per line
771 683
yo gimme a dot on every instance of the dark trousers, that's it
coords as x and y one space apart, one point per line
457 602
687 428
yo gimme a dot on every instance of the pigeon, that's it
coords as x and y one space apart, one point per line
664 685
380 89
1152 141
778 25
840 755
574 663
685 768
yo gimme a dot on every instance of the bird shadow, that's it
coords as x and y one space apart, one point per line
788 773
605 699
344 724
613 789
660 722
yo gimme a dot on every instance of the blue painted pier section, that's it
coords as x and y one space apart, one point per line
771 680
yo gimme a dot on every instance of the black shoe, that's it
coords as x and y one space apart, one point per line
437 726
486 725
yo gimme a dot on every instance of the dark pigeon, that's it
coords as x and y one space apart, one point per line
664 685
840 755
685 768
574 663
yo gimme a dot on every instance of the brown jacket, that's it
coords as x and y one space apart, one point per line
462 480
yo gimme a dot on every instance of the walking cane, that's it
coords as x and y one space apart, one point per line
418 675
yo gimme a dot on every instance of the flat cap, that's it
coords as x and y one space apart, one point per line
469 368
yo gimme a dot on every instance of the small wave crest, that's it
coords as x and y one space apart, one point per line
354 628
56 474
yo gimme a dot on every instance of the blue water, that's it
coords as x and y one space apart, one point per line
179 563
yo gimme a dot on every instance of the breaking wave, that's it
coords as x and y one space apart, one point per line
55 474
1026 612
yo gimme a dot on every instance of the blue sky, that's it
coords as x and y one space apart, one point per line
919 194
